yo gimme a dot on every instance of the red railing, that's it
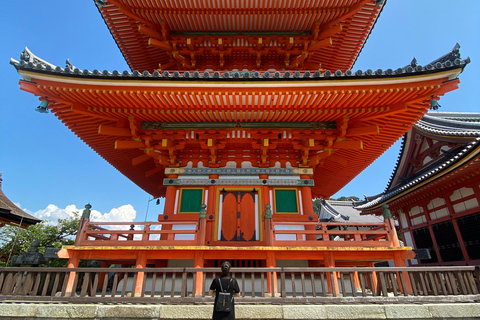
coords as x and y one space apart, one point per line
257 285
334 234
181 232
279 231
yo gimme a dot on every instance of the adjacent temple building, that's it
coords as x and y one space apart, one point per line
435 189
239 116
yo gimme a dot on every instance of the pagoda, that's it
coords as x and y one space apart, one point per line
239 114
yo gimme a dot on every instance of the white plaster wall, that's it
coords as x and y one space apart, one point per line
418 220
465 205
403 219
461 193
415 210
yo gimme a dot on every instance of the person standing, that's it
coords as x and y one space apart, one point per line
224 284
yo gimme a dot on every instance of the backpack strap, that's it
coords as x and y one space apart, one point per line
220 282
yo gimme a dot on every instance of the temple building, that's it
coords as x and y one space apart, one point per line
434 190
11 214
239 116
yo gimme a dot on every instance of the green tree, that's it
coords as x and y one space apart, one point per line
15 241
343 198
316 206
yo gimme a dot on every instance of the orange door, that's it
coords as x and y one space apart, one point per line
238 218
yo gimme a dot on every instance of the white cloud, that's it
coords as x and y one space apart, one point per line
125 213
52 213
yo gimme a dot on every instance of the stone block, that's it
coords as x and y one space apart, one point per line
138 312
304 312
179 312
454 310
258 312
25 310
355 312
410 311
67 311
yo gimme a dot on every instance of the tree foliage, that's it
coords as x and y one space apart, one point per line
350 198
15 240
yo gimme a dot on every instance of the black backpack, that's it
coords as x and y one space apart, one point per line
225 299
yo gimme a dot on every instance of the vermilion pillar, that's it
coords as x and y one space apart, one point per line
199 262
72 263
169 209
140 263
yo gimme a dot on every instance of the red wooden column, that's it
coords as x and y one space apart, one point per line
400 263
202 225
332 281
307 205
169 208
307 202
140 263
199 262
170 196
398 257
267 222
101 275
271 277
72 263
457 229
390 224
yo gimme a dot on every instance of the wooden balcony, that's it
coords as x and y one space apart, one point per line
290 285
277 232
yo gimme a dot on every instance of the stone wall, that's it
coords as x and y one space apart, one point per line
51 311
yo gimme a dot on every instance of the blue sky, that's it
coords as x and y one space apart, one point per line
49 171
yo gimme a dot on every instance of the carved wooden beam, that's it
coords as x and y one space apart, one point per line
114 131
129 144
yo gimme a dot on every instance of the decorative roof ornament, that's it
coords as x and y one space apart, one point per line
434 105
386 212
28 57
451 57
43 107
69 65
379 2
100 3
412 63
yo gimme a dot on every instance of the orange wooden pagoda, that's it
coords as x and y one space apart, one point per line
239 116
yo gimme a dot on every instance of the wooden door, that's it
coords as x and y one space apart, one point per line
238 216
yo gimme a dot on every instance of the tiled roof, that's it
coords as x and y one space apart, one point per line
9 211
450 124
440 123
28 61
437 169
343 211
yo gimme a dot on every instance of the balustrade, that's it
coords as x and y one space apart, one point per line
295 285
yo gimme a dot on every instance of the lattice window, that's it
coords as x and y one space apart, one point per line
469 227
424 240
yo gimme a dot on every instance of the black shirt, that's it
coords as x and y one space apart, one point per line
234 288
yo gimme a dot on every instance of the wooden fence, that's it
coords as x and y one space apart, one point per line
258 285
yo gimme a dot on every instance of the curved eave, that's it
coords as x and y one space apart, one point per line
123 18
446 74
85 102
440 126
469 153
